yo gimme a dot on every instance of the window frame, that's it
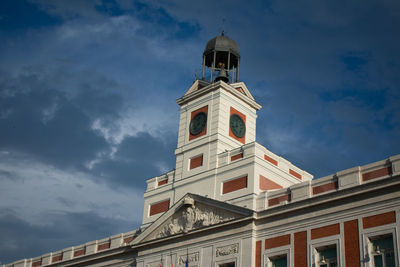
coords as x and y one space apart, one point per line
226 260
278 251
322 242
367 245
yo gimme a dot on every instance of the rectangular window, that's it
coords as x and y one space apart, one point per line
229 264
277 261
326 256
382 249
326 253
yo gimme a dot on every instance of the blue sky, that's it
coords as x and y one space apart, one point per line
88 90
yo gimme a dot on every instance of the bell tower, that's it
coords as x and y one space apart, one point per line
217 155
216 114
221 54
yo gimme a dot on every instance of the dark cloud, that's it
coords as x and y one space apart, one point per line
61 230
40 120
137 159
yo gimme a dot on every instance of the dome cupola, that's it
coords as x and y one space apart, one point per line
222 54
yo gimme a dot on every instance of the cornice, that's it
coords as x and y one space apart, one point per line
215 86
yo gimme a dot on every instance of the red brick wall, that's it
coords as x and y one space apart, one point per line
295 174
79 252
196 162
159 207
243 139
128 239
237 156
258 254
377 173
163 182
380 219
267 184
351 244
205 110
103 246
57 258
278 241
277 200
300 249
324 188
234 185
329 230
271 160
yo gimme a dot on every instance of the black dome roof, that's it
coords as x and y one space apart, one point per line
222 43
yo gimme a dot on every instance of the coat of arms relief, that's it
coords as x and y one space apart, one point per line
193 216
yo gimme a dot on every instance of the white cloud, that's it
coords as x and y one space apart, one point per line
155 120
37 190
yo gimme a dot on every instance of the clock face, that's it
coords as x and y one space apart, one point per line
237 125
198 123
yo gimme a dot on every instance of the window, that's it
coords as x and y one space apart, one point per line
229 264
325 255
277 261
381 250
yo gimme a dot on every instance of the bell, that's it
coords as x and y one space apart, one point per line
222 76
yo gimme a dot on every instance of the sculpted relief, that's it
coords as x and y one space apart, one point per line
227 250
191 217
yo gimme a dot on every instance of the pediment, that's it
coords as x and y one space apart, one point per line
197 85
242 88
200 87
191 213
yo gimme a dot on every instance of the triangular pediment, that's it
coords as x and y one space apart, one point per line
197 85
191 213
239 86
200 87
242 88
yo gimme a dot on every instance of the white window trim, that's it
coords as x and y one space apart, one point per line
226 260
284 250
367 259
314 244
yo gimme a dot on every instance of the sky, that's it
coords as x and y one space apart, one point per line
88 91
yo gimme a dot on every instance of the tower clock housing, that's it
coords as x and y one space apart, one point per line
217 155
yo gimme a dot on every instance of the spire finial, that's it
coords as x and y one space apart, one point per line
223 27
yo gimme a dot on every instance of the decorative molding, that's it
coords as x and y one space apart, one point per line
193 257
192 216
227 250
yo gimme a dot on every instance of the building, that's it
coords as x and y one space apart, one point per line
232 202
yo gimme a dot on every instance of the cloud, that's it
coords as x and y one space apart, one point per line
65 229
70 191
137 159
47 123
87 92
43 208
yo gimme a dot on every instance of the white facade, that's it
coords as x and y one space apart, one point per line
217 148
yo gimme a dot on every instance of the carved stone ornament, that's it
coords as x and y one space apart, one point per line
194 257
191 217
227 250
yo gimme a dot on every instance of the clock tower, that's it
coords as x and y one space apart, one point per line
217 155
